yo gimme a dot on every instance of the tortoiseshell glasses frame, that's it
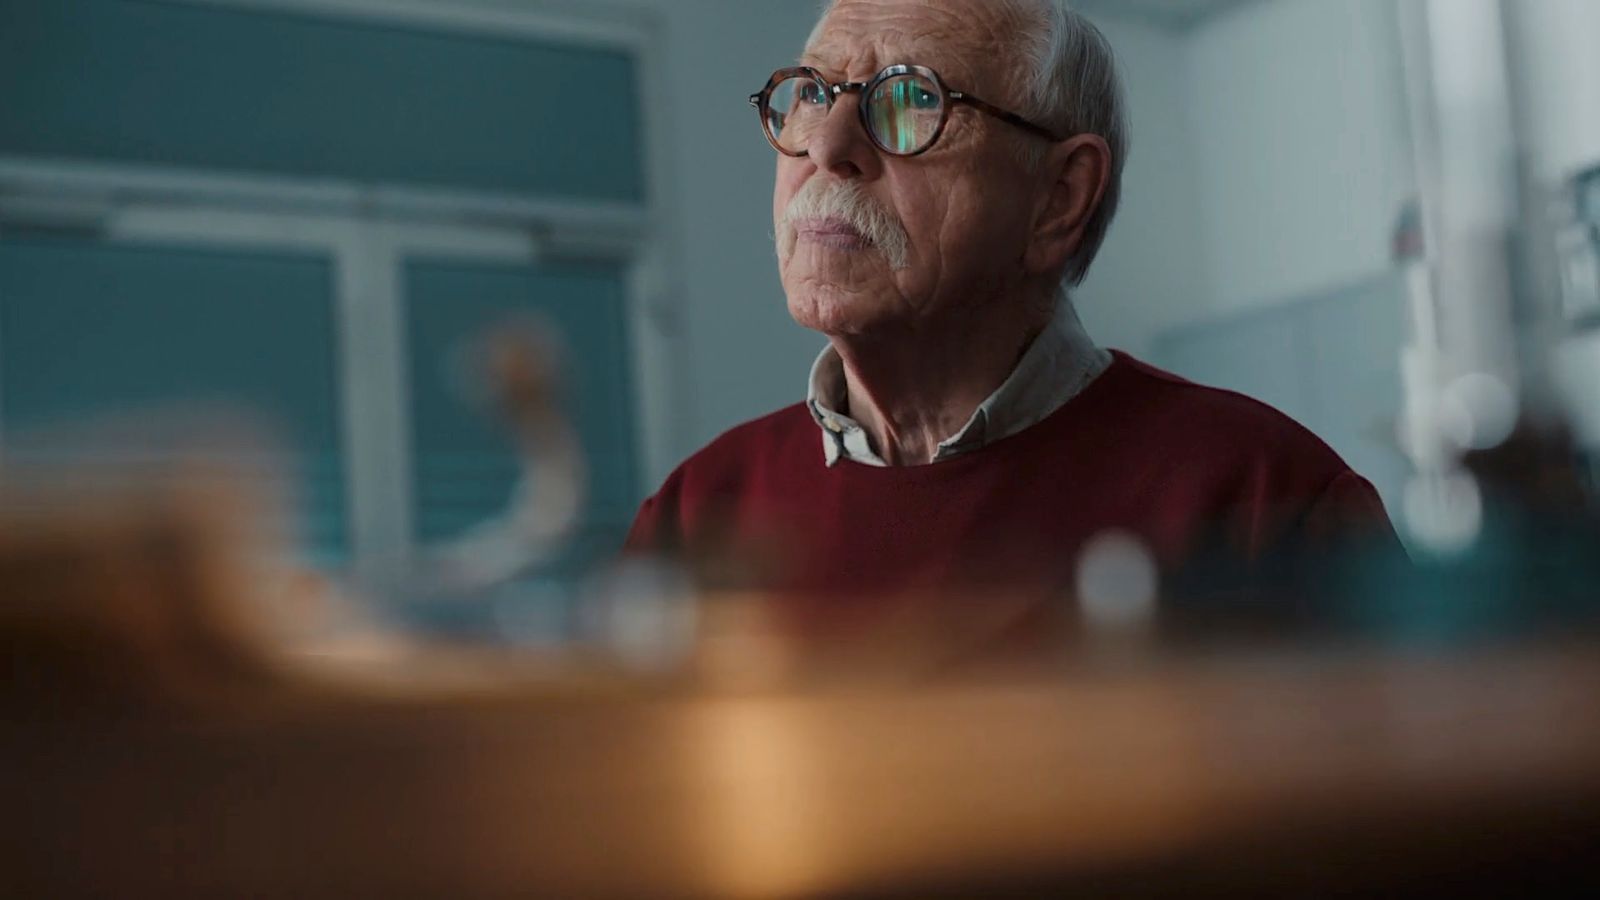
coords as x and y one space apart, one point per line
924 81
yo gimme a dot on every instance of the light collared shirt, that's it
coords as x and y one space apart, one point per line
1060 363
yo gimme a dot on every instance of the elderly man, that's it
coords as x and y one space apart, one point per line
944 168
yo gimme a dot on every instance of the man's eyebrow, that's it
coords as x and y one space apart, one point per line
813 61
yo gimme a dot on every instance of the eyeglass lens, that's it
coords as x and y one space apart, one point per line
902 112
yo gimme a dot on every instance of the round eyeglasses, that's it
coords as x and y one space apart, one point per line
904 109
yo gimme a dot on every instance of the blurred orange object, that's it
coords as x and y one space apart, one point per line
161 736
131 590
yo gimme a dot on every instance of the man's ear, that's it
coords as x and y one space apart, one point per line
1081 169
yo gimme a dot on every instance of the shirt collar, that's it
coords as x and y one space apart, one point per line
1060 363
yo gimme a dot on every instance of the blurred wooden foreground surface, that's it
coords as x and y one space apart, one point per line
152 744
1272 778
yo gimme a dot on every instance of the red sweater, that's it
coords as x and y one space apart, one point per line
1226 492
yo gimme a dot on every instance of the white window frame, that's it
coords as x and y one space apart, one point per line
369 230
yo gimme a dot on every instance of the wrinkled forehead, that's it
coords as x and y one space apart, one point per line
963 40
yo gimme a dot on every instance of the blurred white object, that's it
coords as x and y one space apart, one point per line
1444 511
1461 371
645 614
1118 584
1478 411
1577 376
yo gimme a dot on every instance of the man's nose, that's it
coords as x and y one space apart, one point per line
841 146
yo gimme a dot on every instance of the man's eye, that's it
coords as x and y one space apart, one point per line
812 94
925 99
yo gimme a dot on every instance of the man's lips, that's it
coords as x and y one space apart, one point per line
832 233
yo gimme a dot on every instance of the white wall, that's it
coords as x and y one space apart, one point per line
1150 274
1554 44
1300 139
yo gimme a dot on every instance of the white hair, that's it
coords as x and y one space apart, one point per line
1066 79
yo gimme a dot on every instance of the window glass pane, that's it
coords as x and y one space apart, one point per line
293 94
89 329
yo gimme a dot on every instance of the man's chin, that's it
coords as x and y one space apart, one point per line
834 312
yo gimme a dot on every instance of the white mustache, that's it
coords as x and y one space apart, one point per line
845 201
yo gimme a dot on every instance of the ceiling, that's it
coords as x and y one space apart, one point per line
1177 14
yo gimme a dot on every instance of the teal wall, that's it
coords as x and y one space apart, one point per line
244 91
91 330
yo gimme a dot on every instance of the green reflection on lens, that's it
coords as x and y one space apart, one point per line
906 136
903 113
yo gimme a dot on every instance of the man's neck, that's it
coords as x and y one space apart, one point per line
914 389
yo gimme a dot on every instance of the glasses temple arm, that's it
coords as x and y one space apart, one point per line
1004 116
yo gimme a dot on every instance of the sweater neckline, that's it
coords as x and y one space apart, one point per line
1075 407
